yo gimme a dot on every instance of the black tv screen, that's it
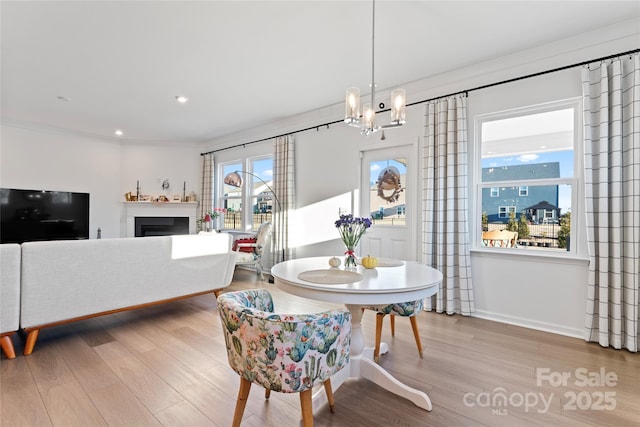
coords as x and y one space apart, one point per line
33 215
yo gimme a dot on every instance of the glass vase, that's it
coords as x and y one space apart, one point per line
350 259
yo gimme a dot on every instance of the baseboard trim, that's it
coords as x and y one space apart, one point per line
531 324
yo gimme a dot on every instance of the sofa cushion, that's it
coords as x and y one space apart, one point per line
9 287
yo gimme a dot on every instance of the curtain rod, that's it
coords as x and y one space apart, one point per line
515 79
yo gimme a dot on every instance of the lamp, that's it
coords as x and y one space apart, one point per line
234 179
366 119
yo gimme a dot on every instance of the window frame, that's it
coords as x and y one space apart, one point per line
574 181
247 223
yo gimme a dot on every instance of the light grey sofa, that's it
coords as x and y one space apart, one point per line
9 296
65 281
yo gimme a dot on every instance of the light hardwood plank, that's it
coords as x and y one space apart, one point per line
69 405
142 381
167 365
120 407
184 414
20 401
88 368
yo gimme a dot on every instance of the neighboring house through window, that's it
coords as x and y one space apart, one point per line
527 173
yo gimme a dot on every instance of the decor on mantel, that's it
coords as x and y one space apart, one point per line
366 120
351 230
163 198
145 198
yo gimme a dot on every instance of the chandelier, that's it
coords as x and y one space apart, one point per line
365 120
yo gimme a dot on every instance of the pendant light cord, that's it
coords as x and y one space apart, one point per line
373 56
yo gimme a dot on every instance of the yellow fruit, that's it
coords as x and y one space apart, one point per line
370 262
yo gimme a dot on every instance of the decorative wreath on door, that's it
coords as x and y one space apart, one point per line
389 186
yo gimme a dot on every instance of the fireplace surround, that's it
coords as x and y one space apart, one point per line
161 225
164 214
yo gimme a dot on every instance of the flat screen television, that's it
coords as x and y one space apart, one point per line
33 215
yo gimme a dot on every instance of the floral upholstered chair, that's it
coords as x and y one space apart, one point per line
289 353
406 309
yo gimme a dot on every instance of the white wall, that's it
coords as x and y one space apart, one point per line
547 293
38 159
151 163
538 292
543 292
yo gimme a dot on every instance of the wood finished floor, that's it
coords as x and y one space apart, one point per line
166 365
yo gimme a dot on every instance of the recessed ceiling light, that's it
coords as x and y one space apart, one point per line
182 99
118 132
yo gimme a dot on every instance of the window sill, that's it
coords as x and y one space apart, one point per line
530 255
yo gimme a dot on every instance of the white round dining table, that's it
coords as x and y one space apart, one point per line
391 282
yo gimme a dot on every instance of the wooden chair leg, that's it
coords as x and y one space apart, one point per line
329 391
243 395
267 393
393 325
32 337
7 347
416 334
376 351
307 408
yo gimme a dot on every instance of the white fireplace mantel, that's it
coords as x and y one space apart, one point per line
159 209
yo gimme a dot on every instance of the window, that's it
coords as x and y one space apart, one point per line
387 191
247 182
527 178
504 211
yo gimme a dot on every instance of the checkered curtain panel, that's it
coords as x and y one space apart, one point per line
206 184
611 92
284 186
445 204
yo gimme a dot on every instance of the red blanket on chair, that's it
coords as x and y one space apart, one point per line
248 249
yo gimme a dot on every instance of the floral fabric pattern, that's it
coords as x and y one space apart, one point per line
406 309
287 353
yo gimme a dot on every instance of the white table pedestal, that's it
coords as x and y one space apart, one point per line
361 365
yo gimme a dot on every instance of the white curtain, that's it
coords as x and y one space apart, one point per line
445 204
284 187
611 92
206 184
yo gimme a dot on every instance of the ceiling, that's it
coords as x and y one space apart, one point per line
93 66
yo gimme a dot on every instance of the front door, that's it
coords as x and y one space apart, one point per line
388 188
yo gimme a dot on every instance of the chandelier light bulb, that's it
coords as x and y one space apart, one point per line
368 116
352 106
398 106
